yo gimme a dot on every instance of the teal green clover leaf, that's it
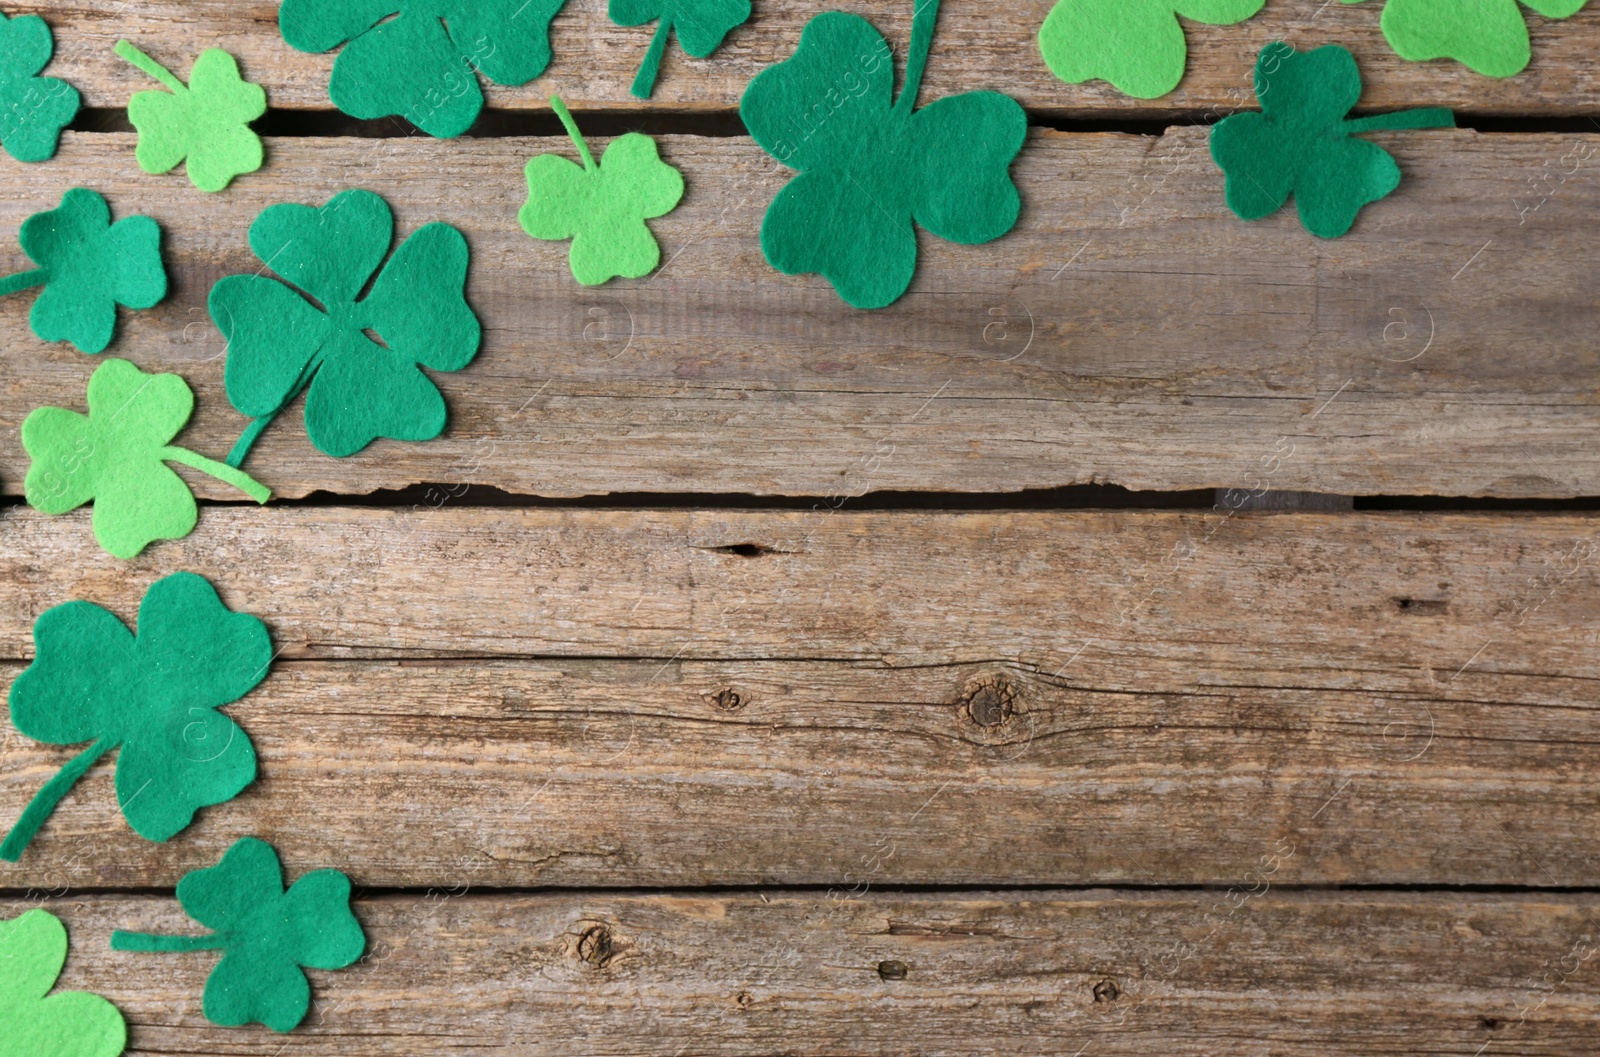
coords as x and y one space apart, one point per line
358 387
701 25
206 121
422 63
1488 36
266 935
87 266
33 109
36 1023
153 695
1137 45
1302 143
873 168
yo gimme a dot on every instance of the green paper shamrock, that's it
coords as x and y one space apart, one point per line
116 458
280 343
603 207
701 25
33 109
1489 36
87 266
871 171
1302 144
155 694
1137 45
35 1023
207 121
420 64
265 933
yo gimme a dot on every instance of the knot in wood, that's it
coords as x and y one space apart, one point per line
893 970
596 947
989 701
728 700
1106 991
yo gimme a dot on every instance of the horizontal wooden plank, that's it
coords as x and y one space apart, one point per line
1131 331
1181 688
870 973
977 46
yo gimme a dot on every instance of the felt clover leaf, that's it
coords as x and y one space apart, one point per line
35 1023
870 171
116 456
1302 143
420 64
603 207
154 694
33 109
280 343
265 933
87 266
1137 45
701 25
206 121
1489 36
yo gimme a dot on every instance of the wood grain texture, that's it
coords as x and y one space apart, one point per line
976 47
1412 697
870 973
1131 331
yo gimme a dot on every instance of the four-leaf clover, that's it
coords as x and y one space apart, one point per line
265 933
1137 45
420 64
871 170
206 121
1489 36
33 109
601 207
701 25
1302 144
87 266
154 694
35 1023
279 342
116 456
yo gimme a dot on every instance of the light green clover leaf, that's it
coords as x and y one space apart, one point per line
33 109
1488 36
206 121
35 1023
1137 45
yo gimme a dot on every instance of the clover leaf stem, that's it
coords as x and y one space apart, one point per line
572 131
151 67
228 475
12 284
46 799
923 17
1431 117
258 426
644 83
155 943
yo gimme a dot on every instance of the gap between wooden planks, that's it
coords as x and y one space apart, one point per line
1130 331
1038 698
856 971
978 45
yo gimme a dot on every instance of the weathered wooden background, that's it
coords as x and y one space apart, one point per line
746 674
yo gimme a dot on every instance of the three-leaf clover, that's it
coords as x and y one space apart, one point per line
1489 36
701 25
1137 45
265 933
87 266
870 171
116 456
33 109
601 207
206 121
154 694
35 1023
1302 144
279 342
420 64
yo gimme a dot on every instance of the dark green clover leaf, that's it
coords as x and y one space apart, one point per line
420 64
33 109
280 343
87 266
1302 143
155 695
265 933
35 1023
116 457
701 25
871 170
